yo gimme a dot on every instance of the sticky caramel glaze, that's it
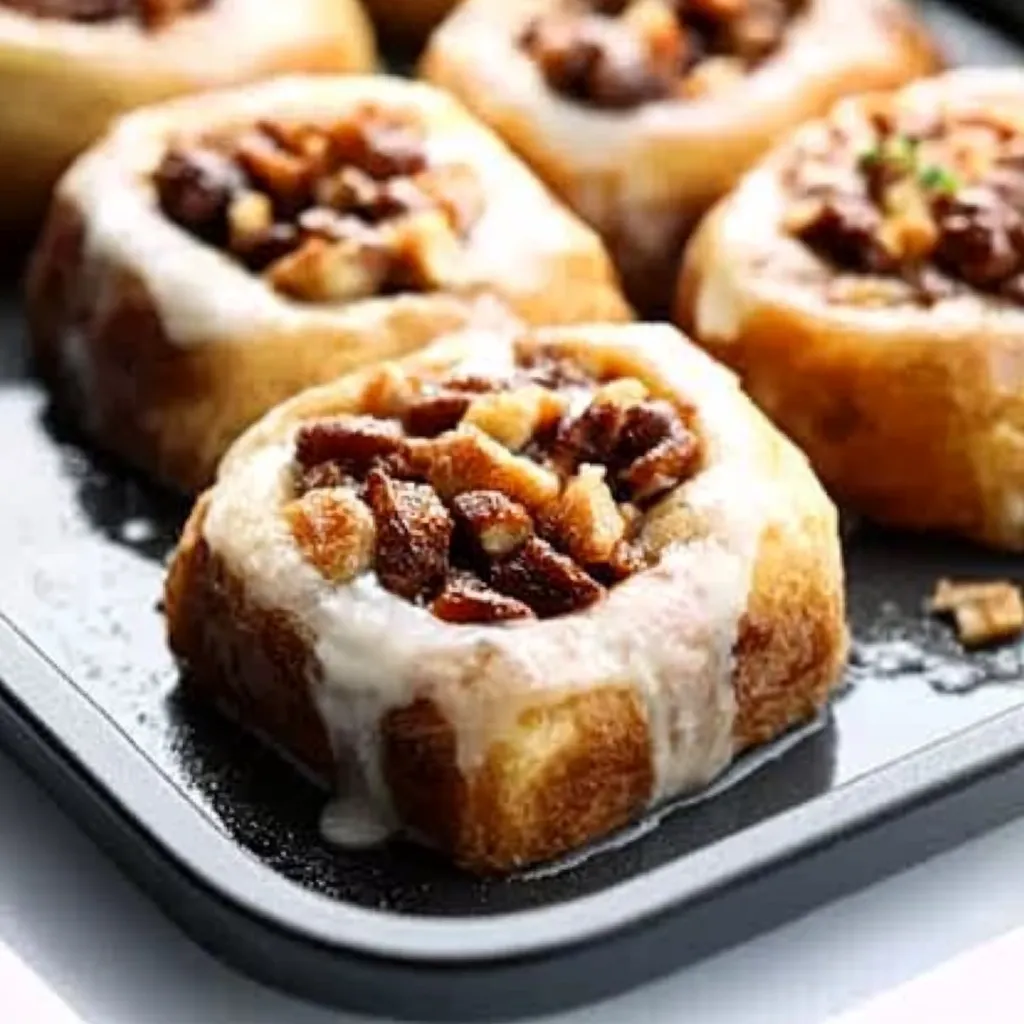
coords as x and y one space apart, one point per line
537 735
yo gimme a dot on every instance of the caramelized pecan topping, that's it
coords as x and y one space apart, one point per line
491 500
414 531
331 212
933 204
152 14
619 55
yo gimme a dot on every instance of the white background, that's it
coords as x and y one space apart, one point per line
88 939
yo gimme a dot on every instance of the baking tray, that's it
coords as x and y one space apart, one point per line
924 748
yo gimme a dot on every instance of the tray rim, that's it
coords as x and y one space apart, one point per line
99 750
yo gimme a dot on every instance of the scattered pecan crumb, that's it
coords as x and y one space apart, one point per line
335 532
414 531
550 583
984 612
467 600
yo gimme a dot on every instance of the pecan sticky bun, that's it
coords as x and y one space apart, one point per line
641 113
212 256
527 586
867 282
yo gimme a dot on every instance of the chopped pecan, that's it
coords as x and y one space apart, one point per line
427 254
468 460
513 417
844 229
195 186
467 600
288 178
322 271
434 413
984 613
667 464
624 392
414 531
498 524
586 521
380 144
981 237
355 443
335 532
594 62
550 583
250 217
590 437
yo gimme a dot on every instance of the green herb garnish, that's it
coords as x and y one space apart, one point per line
938 179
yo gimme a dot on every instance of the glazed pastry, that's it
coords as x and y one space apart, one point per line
641 114
510 594
867 281
214 255
74 65
408 20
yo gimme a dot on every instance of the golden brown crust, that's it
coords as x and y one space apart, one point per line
914 417
71 80
171 404
572 766
644 178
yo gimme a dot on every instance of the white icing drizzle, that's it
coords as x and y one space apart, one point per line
203 296
669 631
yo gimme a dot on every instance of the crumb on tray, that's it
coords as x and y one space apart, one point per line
984 612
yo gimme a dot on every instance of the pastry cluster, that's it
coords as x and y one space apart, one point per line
151 14
327 212
619 54
491 498
934 199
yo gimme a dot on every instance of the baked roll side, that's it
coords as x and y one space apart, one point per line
910 413
509 745
173 347
644 176
73 79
